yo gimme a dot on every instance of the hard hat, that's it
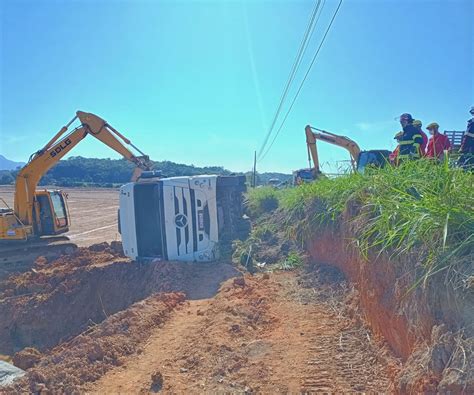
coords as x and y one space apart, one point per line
406 117
472 110
417 123
432 125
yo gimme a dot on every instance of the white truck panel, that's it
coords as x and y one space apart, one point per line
178 205
127 220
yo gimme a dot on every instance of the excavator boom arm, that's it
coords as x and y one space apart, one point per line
331 138
61 144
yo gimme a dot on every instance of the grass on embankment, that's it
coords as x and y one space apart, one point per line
419 205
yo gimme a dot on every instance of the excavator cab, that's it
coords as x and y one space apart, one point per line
374 158
50 212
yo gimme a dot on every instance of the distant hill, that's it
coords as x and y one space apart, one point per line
79 171
7 164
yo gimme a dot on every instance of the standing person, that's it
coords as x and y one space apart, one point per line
467 145
417 124
438 143
410 141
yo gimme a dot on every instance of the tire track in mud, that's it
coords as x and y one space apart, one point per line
342 356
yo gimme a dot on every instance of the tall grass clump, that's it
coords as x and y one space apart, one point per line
261 200
418 207
332 194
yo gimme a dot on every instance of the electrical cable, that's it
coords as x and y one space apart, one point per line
293 71
304 79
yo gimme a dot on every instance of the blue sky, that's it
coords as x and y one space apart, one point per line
199 81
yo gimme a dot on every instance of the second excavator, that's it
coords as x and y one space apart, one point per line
36 224
359 159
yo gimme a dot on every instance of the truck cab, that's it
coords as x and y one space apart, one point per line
180 218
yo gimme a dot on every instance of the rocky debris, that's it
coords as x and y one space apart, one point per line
27 358
239 282
156 381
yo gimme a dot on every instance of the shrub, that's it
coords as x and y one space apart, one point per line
261 200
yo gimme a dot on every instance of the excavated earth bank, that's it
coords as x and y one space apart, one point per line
88 356
61 299
431 328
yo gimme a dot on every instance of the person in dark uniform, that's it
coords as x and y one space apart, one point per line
466 160
410 141
417 124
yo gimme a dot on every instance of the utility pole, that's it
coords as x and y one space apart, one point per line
254 175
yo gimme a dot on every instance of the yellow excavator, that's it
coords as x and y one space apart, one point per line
39 217
359 159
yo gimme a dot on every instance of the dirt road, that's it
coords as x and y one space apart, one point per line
93 213
268 334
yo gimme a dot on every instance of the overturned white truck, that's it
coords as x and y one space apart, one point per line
181 218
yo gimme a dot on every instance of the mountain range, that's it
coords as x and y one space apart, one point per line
7 164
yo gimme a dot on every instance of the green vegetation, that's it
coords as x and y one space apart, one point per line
267 248
78 171
261 200
292 261
420 208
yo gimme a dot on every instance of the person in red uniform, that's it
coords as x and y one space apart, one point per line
438 142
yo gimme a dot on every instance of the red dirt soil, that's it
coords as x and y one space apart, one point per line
100 328
267 333
91 354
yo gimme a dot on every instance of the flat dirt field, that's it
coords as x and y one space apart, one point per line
93 213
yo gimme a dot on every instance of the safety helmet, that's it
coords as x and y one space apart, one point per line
432 125
417 123
472 110
406 117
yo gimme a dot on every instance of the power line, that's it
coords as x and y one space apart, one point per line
299 57
304 79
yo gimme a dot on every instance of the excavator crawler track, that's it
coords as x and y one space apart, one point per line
20 257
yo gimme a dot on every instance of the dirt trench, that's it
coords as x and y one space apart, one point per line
297 331
430 329
58 300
